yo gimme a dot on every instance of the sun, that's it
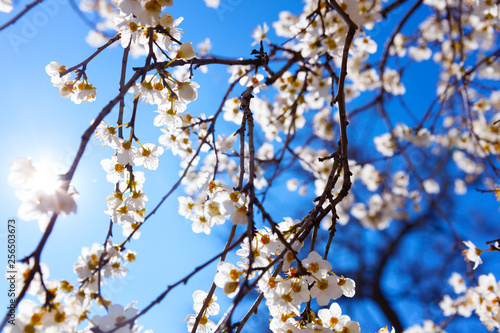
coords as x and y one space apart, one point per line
46 179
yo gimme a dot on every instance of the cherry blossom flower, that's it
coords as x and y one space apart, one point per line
254 82
129 30
116 315
333 318
149 156
115 170
83 92
232 112
365 44
392 83
107 135
187 91
259 34
128 154
420 53
212 3
204 47
431 186
186 51
5 6
326 289
22 172
202 223
385 144
151 90
121 214
315 265
457 282
41 191
228 278
54 69
205 325
199 297
347 285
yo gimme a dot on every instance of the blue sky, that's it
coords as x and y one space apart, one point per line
38 123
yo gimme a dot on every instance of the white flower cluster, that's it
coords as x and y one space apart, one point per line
69 305
116 315
310 278
428 327
482 299
386 144
79 90
473 254
216 204
110 260
126 211
485 138
379 209
132 21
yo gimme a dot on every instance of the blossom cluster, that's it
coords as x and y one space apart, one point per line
128 211
67 305
483 299
221 202
79 90
288 289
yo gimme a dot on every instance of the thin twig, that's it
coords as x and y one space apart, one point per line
84 63
18 16
207 300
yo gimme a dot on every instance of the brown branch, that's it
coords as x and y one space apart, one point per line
84 63
488 58
202 61
391 7
377 294
245 106
241 131
251 311
122 82
386 308
102 262
275 230
340 98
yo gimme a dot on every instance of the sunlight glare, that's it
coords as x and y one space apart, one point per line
46 178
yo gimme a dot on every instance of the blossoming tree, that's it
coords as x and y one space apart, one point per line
320 116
